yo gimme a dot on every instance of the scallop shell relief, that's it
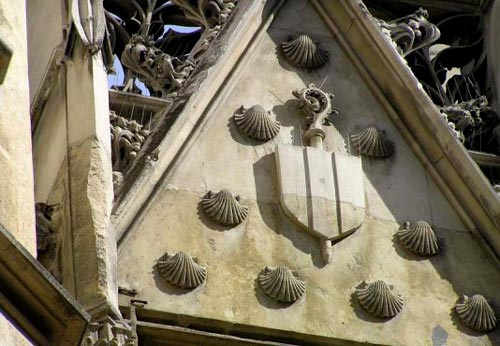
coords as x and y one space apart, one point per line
419 238
304 53
181 270
257 123
223 208
370 141
281 284
476 313
379 300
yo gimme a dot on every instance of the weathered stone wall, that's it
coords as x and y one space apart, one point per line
16 188
397 189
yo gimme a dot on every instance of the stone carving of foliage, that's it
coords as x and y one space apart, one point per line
224 208
379 300
419 238
476 313
110 332
303 52
159 71
411 32
257 123
372 142
161 58
127 137
181 270
281 284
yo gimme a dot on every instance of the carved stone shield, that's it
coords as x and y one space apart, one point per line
321 191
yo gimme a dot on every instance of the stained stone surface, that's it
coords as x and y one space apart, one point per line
16 186
396 189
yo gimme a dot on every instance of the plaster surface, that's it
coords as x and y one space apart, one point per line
396 189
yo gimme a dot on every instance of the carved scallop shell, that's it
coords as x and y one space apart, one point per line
379 300
257 123
304 53
181 270
476 313
370 141
419 238
281 284
223 208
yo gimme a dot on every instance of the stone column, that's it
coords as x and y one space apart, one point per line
91 186
17 210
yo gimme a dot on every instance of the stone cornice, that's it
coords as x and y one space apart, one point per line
34 300
417 118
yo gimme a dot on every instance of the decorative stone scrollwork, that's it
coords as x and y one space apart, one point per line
209 14
223 208
181 270
317 105
411 32
257 123
281 284
476 313
370 141
303 52
110 332
379 300
127 137
158 70
419 238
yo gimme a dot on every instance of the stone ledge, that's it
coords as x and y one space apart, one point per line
35 302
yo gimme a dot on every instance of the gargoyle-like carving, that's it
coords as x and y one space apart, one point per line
371 141
127 137
471 121
303 52
282 284
181 270
476 313
158 70
411 32
257 123
223 208
47 240
111 331
379 300
419 238
317 105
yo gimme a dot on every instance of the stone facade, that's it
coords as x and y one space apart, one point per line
276 183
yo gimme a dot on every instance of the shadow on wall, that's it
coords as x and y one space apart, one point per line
462 263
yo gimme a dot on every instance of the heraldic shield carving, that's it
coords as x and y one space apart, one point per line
321 191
